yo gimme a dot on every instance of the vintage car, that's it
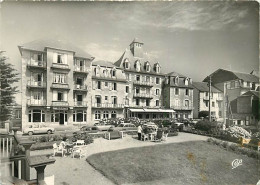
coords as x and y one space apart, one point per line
38 129
124 126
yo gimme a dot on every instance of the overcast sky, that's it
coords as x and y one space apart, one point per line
191 38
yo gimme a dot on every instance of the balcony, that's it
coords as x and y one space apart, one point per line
60 66
141 83
80 69
143 95
78 87
60 103
35 84
109 78
60 86
32 102
80 104
181 107
108 105
35 64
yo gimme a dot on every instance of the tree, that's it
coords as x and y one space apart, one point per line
203 114
8 76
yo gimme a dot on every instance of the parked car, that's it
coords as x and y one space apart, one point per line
178 126
102 126
38 129
124 126
87 129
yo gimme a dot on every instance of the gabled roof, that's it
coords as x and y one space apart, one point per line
173 73
146 58
103 63
222 75
137 40
203 87
41 45
254 93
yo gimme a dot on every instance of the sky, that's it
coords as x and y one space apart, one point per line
193 38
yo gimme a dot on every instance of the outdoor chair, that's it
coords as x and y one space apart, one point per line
58 149
144 137
78 151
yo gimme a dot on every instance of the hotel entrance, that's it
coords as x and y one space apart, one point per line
60 117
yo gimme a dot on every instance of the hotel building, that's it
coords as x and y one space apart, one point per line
62 85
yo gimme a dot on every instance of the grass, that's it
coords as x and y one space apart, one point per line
181 163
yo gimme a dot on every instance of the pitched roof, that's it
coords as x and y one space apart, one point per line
129 55
255 93
103 63
223 75
203 87
173 73
137 40
42 44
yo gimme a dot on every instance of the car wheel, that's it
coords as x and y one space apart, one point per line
30 133
49 132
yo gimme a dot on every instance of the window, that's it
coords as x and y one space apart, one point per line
137 90
106 98
157 80
113 73
79 116
157 91
36 115
206 93
219 114
98 84
137 102
137 77
59 59
105 114
186 103
177 102
98 100
60 96
18 114
113 114
60 78
232 85
187 92
127 89
147 79
114 87
176 80
236 84
106 84
97 115
114 100
157 68
248 84
228 85
126 64
176 91
213 104
219 104
206 103
126 101
147 102
186 82
137 65
157 102
147 67
105 72
39 57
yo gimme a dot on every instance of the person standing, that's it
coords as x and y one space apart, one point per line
139 131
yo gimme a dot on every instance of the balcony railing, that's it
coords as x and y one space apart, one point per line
80 69
107 105
80 87
142 95
60 66
181 107
109 78
36 64
142 83
39 84
60 86
80 104
60 103
32 102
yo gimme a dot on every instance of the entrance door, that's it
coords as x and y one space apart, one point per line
61 118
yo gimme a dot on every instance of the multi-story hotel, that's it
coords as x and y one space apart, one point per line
56 78
202 99
62 85
178 95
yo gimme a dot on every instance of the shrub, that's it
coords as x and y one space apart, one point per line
224 144
255 139
43 139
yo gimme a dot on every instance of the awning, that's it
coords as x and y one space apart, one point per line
152 110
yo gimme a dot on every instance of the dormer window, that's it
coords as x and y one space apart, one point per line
137 65
113 72
186 82
126 64
105 72
147 67
157 68
176 80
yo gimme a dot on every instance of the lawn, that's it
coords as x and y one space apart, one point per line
195 162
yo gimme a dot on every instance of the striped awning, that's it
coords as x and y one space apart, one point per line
152 110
